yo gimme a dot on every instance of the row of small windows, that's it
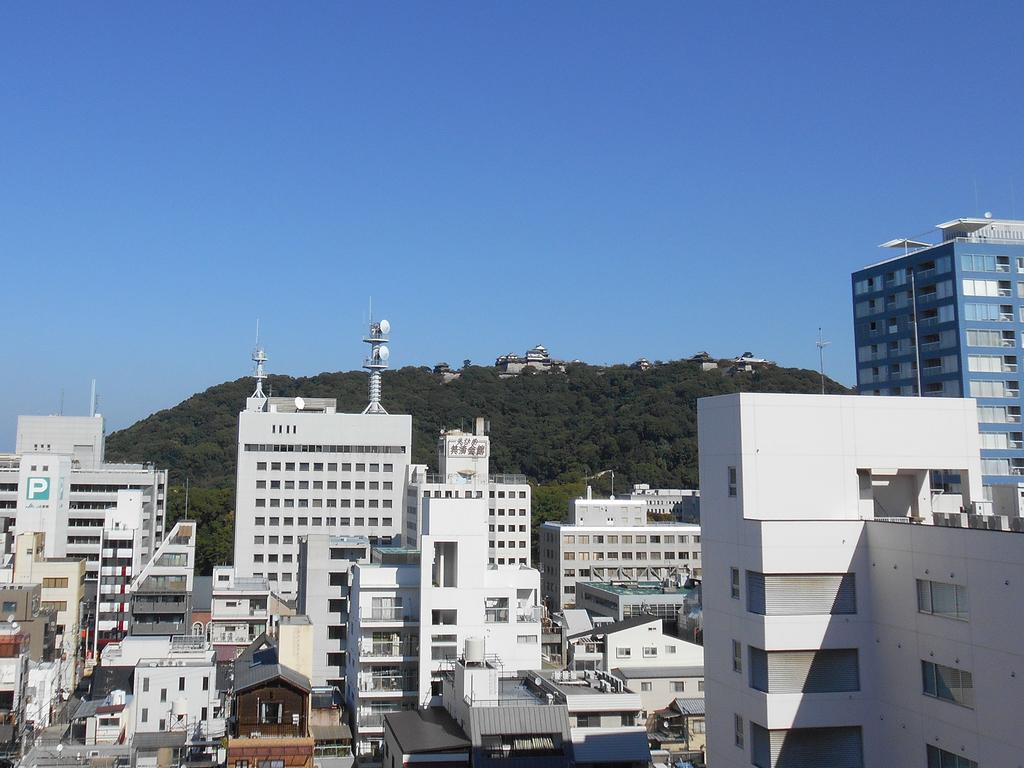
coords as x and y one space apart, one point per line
332 485
898 277
318 466
571 556
303 522
287 448
626 539
303 503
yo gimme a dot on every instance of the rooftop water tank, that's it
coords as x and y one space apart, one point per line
474 650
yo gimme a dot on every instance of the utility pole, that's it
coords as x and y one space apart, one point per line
821 344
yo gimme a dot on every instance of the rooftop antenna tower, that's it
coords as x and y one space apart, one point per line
92 399
259 357
377 362
821 344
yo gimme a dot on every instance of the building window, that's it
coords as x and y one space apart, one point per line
145 715
941 599
732 481
623 653
650 652
56 583
678 686
940 758
645 687
948 683
737 723
737 656
734 574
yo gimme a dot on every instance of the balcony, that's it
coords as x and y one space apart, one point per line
159 628
389 615
240 612
371 720
390 684
388 650
159 606
271 730
237 637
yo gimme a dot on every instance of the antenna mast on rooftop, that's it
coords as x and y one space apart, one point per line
821 344
259 357
377 362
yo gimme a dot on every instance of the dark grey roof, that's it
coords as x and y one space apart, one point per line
110 678
644 673
617 626
523 720
426 730
690 706
259 664
202 593
611 746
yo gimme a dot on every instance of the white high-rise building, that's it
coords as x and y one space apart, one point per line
611 540
848 621
412 610
59 484
304 468
463 461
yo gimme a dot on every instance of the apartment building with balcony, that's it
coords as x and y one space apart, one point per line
325 562
310 470
463 461
410 610
852 624
946 319
161 594
241 609
612 540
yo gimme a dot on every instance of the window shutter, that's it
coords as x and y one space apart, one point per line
817 747
810 594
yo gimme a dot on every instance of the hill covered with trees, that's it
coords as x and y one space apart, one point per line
554 428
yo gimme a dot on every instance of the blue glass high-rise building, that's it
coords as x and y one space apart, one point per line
946 319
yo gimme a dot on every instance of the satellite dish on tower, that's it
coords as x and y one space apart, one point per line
299 403
385 327
383 353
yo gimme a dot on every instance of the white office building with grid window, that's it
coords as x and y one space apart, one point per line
857 613
304 468
611 540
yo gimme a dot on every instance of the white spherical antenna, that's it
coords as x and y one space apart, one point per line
385 327
988 214
383 353
299 403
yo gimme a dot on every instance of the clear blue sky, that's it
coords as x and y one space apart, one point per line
612 180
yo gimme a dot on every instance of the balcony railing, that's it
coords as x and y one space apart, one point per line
158 628
271 730
386 650
371 720
159 606
390 614
389 684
